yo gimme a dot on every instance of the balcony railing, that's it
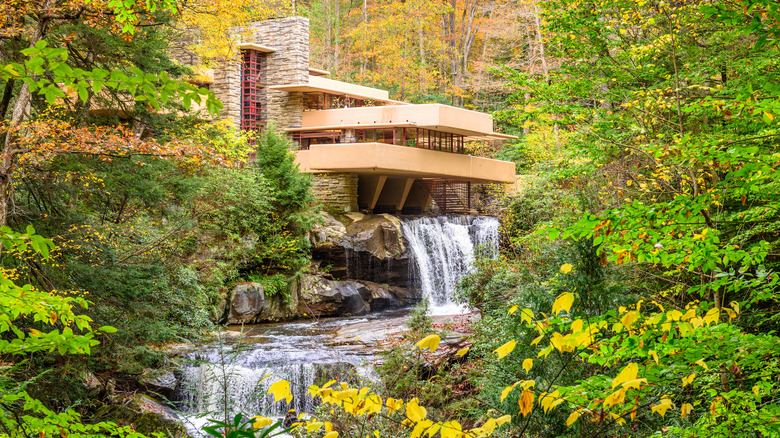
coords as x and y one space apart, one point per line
410 137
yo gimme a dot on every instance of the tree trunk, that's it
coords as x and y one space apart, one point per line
336 36
18 115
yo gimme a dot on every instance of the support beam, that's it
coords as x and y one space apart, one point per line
427 205
379 185
407 187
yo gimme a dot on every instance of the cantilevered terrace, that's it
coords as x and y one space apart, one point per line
367 151
402 156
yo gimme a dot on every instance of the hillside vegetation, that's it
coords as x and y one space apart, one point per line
636 293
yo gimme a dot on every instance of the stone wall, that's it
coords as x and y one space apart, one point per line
288 65
338 191
227 88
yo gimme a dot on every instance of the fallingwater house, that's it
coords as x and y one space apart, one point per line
367 151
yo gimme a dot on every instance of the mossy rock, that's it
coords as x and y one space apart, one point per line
144 414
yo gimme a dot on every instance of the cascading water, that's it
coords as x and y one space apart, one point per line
230 376
443 250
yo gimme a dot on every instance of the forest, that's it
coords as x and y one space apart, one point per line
635 292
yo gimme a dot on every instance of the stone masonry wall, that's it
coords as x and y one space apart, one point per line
338 191
288 65
227 88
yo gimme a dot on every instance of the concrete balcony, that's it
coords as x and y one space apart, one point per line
436 117
402 161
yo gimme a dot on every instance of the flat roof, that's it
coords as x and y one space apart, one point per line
318 84
318 72
258 47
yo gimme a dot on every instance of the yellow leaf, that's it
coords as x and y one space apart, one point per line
628 373
331 434
537 340
528 364
512 310
414 411
634 384
261 422
500 421
618 418
420 427
664 405
431 342
505 349
756 390
688 380
508 389
281 391
616 398
701 363
312 427
462 352
713 408
629 318
450 429
712 315
686 409
654 355
394 404
548 401
563 302
566 268
526 402
527 315
573 417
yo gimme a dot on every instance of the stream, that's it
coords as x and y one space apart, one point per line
232 374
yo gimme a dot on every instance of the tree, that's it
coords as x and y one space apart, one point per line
211 29
31 321
44 69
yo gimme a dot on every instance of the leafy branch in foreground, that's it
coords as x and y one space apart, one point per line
59 329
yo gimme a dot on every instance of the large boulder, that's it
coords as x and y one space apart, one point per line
369 247
322 297
330 233
385 297
246 303
159 381
379 235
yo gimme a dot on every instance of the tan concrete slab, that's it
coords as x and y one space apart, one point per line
410 162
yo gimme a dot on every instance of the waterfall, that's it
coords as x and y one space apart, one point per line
237 372
443 249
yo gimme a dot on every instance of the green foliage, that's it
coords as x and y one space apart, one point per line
46 71
276 163
660 203
420 320
31 321
274 285
293 206
241 428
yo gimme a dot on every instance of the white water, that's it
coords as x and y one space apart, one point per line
443 251
237 367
